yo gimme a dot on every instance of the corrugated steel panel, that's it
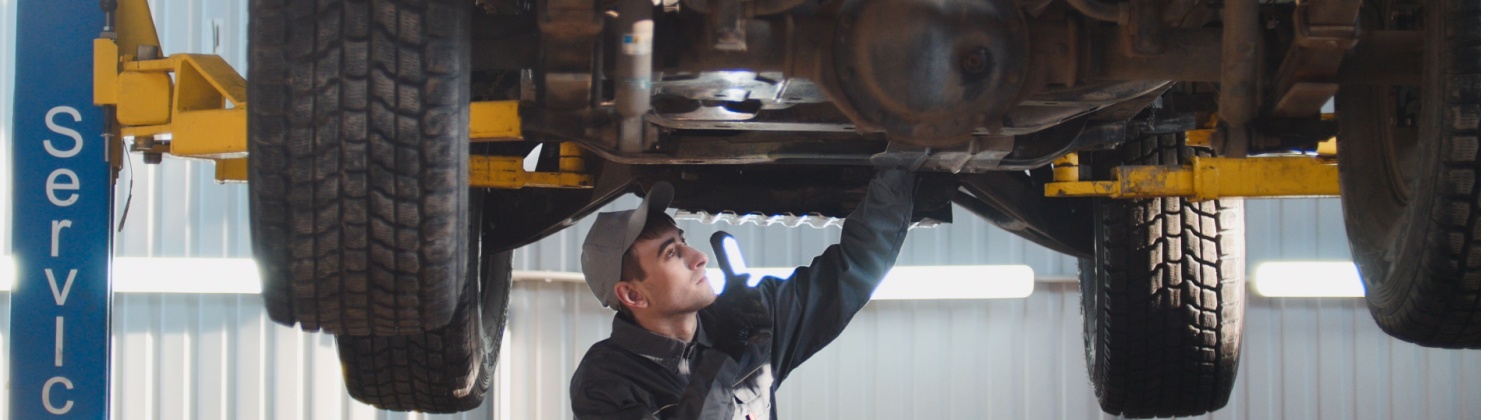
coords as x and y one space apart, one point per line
217 356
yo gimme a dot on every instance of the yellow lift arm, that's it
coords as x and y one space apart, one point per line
1204 178
202 111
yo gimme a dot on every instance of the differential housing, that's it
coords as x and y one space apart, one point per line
929 72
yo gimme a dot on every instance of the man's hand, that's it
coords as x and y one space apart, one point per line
741 310
742 315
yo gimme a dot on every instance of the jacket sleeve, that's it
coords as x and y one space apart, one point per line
609 400
814 304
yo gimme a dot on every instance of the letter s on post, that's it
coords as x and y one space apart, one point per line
77 138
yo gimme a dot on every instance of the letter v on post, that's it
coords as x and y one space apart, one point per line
61 297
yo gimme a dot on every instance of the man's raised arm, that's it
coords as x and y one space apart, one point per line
812 306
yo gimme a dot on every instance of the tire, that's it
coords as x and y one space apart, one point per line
445 370
1411 194
1163 297
358 128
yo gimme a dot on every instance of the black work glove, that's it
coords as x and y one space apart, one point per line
742 316
740 312
933 196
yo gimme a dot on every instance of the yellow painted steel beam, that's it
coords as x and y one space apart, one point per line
133 27
507 172
213 134
231 170
1202 137
106 71
1199 138
494 121
1208 178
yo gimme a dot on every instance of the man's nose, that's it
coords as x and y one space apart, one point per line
697 258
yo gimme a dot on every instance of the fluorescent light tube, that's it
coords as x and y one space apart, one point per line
931 282
957 282
186 275
170 275
241 276
1308 279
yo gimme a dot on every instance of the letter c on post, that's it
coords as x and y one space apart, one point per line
47 395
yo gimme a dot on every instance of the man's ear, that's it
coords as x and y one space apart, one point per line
630 296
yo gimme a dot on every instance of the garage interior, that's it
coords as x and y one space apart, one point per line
215 354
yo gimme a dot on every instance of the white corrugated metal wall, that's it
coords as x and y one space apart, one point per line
217 356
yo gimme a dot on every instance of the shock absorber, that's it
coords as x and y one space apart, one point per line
633 72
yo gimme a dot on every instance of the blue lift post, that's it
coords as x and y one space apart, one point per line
60 234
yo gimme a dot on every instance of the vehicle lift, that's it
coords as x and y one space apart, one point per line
194 106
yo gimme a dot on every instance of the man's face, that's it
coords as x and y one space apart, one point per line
676 275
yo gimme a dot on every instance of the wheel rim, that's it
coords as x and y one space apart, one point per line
1398 145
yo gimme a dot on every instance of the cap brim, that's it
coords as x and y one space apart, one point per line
657 199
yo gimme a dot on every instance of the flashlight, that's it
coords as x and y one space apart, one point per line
731 261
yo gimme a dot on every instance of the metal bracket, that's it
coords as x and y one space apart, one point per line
494 121
151 107
980 154
1205 178
1324 30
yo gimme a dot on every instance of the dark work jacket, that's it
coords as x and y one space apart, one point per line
638 374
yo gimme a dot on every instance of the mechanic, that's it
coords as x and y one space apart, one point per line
678 351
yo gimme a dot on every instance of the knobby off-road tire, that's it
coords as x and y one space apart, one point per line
445 370
1163 297
358 137
1409 173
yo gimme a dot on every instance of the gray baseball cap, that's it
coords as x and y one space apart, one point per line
612 234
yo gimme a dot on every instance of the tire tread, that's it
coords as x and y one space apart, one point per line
1169 290
359 174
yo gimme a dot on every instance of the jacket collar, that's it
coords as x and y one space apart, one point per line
632 337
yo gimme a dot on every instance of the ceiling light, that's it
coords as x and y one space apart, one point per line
170 275
186 275
241 276
1308 279
957 282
